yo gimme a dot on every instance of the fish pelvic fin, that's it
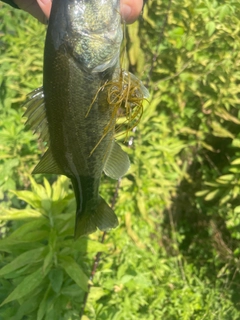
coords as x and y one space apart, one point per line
102 217
117 162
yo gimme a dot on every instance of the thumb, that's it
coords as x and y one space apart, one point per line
45 6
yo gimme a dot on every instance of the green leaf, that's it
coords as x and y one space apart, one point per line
43 305
225 179
53 313
236 143
220 131
59 188
75 272
201 193
47 188
223 11
235 170
23 259
207 146
211 195
29 197
237 209
95 294
33 236
26 286
210 26
8 242
28 306
72 291
236 161
30 231
13 214
56 279
225 199
48 261
38 189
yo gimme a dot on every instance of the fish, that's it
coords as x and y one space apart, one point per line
74 111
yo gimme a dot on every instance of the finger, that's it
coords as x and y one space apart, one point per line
131 9
45 6
32 7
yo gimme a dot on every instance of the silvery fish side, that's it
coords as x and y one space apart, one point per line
81 54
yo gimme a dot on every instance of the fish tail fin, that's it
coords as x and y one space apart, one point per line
102 217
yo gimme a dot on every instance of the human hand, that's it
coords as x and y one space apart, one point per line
40 9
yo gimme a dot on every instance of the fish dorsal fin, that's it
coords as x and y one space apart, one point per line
37 120
117 162
36 113
47 164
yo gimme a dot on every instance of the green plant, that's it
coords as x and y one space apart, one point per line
47 273
175 254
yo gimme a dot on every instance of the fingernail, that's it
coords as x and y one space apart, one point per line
126 11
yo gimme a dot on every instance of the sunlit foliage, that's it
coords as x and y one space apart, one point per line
176 252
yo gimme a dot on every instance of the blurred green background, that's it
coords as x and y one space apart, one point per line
176 252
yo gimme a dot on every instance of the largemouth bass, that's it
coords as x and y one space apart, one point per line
72 110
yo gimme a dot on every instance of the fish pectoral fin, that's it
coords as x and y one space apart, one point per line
47 164
36 113
117 162
102 217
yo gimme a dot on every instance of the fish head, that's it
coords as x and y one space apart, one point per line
94 32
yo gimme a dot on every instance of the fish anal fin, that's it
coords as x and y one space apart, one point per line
47 164
117 162
101 217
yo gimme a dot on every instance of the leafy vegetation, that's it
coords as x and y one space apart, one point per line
176 252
